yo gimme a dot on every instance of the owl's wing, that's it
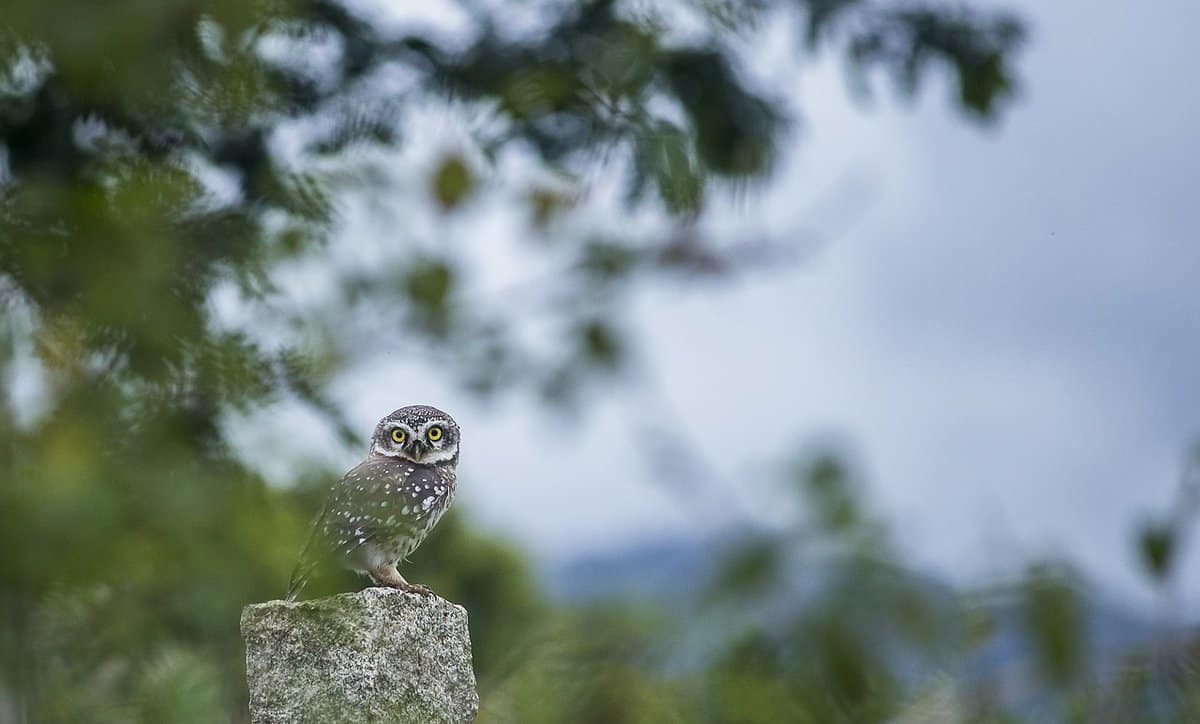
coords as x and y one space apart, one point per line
310 555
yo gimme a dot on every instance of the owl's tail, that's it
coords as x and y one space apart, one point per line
299 578
306 562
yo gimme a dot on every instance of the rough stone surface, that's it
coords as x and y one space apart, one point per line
379 655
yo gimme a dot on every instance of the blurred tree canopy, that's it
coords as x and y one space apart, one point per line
159 157
154 151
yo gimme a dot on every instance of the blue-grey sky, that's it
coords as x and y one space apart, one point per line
1002 324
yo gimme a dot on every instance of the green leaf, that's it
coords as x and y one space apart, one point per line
452 182
1156 545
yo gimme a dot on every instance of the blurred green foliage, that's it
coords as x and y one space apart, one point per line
131 533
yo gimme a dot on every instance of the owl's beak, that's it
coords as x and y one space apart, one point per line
416 450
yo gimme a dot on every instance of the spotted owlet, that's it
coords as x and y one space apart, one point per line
382 509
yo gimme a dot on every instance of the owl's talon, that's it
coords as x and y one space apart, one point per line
390 577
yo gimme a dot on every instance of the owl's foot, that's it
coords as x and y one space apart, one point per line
418 588
390 577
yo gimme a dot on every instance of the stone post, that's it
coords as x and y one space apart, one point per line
379 655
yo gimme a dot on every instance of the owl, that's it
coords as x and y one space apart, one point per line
382 509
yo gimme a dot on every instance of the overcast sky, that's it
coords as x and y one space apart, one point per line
1002 326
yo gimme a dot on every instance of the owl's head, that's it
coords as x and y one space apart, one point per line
417 433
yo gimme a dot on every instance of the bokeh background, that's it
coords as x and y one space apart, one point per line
817 360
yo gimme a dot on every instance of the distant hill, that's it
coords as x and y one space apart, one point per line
652 571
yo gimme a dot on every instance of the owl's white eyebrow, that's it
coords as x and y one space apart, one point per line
431 423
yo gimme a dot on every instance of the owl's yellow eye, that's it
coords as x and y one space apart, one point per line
434 433
398 435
